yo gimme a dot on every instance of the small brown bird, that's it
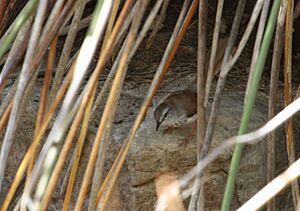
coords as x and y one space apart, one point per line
176 110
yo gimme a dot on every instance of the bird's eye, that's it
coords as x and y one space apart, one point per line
165 114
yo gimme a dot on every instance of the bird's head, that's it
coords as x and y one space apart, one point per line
161 113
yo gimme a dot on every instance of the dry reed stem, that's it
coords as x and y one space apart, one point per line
276 58
197 198
212 61
65 54
287 93
43 101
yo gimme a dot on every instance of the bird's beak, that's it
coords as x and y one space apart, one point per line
157 125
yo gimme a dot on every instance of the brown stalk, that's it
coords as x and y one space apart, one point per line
16 53
101 158
102 60
67 48
111 22
166 61
8 98
277 53
113 70
82 24
24 164
43 101
111 102
64 153
76 160
3 6
94 79
98 176
4 117
287 93
197 199
156 25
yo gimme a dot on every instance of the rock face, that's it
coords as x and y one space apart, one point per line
154 154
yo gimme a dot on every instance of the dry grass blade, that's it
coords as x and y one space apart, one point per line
45 195
287 92
97 180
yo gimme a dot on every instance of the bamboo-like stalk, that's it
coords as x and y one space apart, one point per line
276 58
287 93
103 58
249 102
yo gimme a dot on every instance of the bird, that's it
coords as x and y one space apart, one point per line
178 109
